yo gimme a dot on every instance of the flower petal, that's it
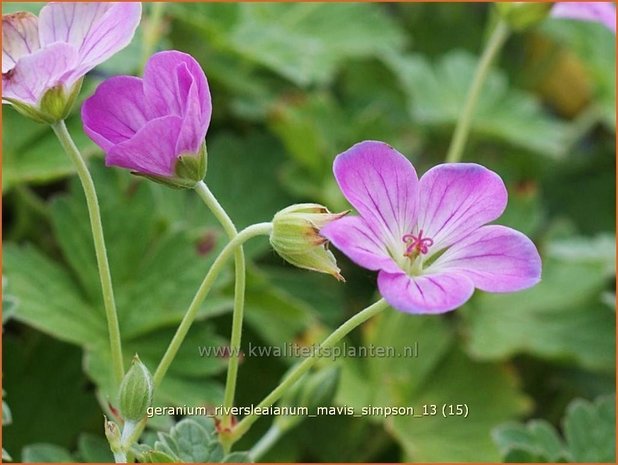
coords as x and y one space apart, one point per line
20 37
152 150
431 293
168 79
495 258
97 30
600 12
382 186
36 73
456 199
194 126
116 111
354 237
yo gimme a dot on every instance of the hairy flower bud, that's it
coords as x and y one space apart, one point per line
522 15
136 391
296 237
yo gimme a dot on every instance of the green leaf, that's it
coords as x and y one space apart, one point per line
187 381
9 302
46 453
599 250
410 378
437 93
191 441
68 403
94 449
145 296
32 154
491 395
561 318
242 173
538 439
273 313
272 35
49 299
590 430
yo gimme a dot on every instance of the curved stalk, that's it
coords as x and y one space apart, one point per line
218 266
239 298
94 212
462 129
358 319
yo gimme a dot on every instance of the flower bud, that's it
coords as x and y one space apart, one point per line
136 391
296 237
522 15
54 106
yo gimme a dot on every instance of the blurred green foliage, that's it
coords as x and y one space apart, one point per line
292 86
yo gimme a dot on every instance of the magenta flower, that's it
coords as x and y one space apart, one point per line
148 125
55 50
428 239
600 12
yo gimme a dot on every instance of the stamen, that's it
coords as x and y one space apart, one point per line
416 244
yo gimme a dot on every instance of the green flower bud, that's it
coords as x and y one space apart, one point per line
523 15
296 237
136 391
55 105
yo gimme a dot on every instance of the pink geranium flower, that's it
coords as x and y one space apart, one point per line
60 46
147 125
428 238
600 12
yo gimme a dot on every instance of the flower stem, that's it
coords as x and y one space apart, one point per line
243 236
239 298
358 319
462 129
94 212
265 443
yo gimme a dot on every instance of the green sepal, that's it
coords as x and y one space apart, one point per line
29 111
55 105
189 170
191 166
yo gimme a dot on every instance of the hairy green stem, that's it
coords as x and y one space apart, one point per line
265 443
462 129
239 298
302 368
94 212
216 268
